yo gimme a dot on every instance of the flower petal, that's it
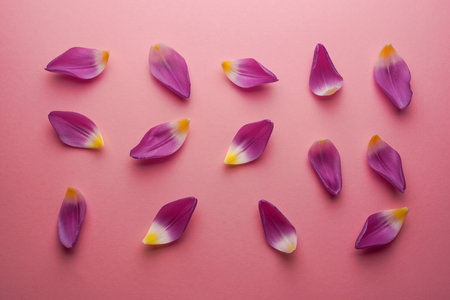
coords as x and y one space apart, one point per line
71 217
324 79
279 232
247 73
80 62
162 140
384 160
325 159
170 68
170 222
381 228
393 77
249 142
76 130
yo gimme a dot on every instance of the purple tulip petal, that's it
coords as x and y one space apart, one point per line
279 232
80 62
324 79
71 217
249 142
325 159
170 222
393 77
76 130
381 228
247 73
162 140
170 68
384 160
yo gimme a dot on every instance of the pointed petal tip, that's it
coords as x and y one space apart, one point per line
247 73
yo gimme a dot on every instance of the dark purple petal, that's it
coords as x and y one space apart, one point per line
247 73
325 159
71 217
324 79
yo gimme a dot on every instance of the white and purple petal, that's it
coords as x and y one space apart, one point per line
162 140
75 129
326 161
83 63
170 222
381 228
279 232
170 68
71 217
393 77
384 160
324 79
249 142
247 73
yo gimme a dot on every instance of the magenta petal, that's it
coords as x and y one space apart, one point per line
80 62
170 68
279 232
324 79
247 73
249 142
384 160
170 222
325 159
71 217
162 140
75 130
381 228
393 77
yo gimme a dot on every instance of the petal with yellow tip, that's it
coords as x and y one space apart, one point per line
279 232
324 79
75 129
79 62
381 228
384 160
170 68
249 142
162 140
170 222
247 72
71 217
393 76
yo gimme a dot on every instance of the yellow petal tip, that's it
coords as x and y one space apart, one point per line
387 51
374 140
183 125
231 158
151 239
97 141
226 65
156 47
105 57
71 192
291 248
400 213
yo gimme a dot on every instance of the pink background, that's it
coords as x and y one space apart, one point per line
223 253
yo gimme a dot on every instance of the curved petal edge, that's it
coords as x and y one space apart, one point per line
71 217
324 79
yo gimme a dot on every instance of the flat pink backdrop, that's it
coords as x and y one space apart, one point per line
223 253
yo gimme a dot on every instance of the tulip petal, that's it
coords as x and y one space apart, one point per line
381 228
384 160
393 77
71 217
170 222
324 79
249 142
170 68
279 232
325 159
84 63
162 140
247 73
75 130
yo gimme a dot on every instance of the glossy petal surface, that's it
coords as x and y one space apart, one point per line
170 68
162 140
381 228
170 222
247 73
326 161
279 232
393 77
324 79
75 129
384 160
83 63
249 142
71 217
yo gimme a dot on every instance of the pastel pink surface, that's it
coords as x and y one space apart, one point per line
223 253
